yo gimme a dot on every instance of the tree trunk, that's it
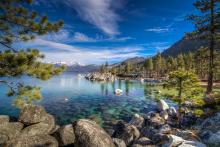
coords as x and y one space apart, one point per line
180 102
211 51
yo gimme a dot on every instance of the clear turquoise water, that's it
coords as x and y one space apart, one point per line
86 99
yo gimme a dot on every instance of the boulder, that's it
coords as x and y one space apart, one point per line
9 131
46 126
148 132
126 132
160 139
137 121
209 130
211 138
88 133
185 134
165 129
172 112
162 105
4 119
180 142
33 141
119 142
32 114
164 115
65 135
143 141
151 114
155 121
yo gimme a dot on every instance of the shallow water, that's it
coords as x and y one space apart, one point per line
69 97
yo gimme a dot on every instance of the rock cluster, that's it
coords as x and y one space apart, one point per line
155 129
100 77
37 128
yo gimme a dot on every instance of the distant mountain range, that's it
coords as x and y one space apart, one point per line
78 68
181 46
184 46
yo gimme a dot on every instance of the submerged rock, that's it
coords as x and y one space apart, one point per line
137 121
162 105
65 135
88 134
31 114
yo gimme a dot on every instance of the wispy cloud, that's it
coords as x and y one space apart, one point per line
165 29
100 13
69 53
81 37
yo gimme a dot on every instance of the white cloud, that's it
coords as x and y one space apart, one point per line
97 12
80 37
157 30
165 29
56 52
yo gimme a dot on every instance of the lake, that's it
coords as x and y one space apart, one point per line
69 97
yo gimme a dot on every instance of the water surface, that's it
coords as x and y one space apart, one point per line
69 97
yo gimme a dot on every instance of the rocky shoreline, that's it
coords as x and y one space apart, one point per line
36 128
100 77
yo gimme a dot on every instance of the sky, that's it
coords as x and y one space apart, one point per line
96 31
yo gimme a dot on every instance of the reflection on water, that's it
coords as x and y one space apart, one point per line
95 100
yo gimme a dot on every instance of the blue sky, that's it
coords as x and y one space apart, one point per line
96 31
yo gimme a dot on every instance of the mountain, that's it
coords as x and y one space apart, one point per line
79 68
135 60
82 68
184 46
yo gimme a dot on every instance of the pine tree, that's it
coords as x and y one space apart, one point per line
207 27
149 66
128 67
186 83
18 24
180 61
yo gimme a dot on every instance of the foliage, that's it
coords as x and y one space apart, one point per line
207 28
18 24
185 82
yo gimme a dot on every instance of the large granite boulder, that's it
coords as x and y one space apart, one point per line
4 119
9 131
32 114
33 141
119 142
137 121
180 142
209 130
126 132
65 135
46 126
89 134
162 105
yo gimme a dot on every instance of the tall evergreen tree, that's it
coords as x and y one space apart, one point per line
18 24
149 66
207 27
